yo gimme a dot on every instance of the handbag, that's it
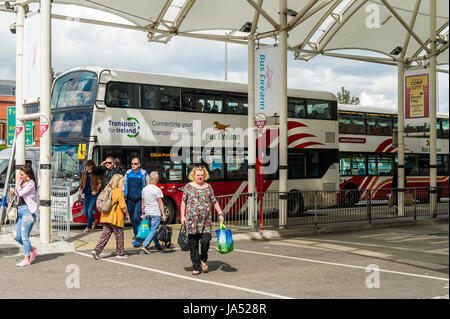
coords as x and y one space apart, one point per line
224 240
11 211
165 235
143 230
183 239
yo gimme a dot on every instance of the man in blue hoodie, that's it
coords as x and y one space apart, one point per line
135 180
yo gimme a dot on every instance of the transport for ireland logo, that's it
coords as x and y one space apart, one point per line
131 127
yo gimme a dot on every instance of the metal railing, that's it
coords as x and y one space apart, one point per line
329 207
60 215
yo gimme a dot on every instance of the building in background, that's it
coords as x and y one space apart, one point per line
7 99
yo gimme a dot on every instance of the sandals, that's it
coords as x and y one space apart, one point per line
196 272
205 268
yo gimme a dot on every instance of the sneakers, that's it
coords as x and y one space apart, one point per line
145 249
136 243
23 263
122 256
33 255
96 255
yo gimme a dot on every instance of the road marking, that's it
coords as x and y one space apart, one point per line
431 251
341 265
267 294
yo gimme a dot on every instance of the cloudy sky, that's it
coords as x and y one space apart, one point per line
77 44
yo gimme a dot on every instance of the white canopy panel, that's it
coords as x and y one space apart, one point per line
322 27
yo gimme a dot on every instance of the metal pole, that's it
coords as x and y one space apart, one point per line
226 60
433 108
401 137
44 159
251 134
283 117
20 143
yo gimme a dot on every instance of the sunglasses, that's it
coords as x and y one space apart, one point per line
109 163
134 163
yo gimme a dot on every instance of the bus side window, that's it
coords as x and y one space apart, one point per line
151 97
445 128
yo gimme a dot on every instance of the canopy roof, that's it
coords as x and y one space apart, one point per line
327 27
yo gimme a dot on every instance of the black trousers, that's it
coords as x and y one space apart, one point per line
194 240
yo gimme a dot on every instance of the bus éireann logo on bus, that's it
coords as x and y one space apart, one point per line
138 128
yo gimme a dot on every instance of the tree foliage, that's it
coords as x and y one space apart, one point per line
345 98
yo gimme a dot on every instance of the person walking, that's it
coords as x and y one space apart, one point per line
135 180
26 212
113 222
118 165
106 170
90 186
152 209
198 197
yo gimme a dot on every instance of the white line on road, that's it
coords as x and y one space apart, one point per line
267 294
340 265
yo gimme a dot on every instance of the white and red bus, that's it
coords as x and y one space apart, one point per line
367 158
170 123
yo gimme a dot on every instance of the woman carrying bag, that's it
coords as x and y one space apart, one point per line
90 186
26 212
198 197
113 222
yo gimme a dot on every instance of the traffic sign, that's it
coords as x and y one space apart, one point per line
260 120
12 128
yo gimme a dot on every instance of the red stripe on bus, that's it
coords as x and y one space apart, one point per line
297 137
292 124
383 145
304 145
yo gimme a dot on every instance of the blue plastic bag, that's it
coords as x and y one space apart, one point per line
224 240
143 230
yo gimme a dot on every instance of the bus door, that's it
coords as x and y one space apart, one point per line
125 154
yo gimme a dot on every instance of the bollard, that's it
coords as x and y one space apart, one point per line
369 206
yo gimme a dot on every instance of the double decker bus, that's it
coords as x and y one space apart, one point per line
368 160
171 123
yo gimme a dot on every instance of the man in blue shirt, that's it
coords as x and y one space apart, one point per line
135 180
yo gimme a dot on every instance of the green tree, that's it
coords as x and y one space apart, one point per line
345 98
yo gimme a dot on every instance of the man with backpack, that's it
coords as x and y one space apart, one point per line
135 180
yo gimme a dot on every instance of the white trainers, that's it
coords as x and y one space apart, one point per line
122 256
23 263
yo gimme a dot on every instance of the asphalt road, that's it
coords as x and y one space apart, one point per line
402 262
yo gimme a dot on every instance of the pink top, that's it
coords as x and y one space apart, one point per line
27 192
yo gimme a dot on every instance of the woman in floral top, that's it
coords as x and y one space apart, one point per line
198 196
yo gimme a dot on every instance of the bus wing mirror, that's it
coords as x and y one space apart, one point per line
81 151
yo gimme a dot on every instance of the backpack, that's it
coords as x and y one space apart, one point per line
104 200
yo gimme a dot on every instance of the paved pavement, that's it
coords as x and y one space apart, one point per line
409 261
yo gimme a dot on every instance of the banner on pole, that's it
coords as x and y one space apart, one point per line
267 81
417 97
31 58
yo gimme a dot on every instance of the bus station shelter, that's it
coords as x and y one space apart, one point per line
404 34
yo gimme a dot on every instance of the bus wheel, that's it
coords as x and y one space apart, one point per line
170 210
350 196
295 203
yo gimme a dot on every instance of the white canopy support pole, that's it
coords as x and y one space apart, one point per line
433 108
20 138
401 137
45 121
406 26
283 118
251 135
